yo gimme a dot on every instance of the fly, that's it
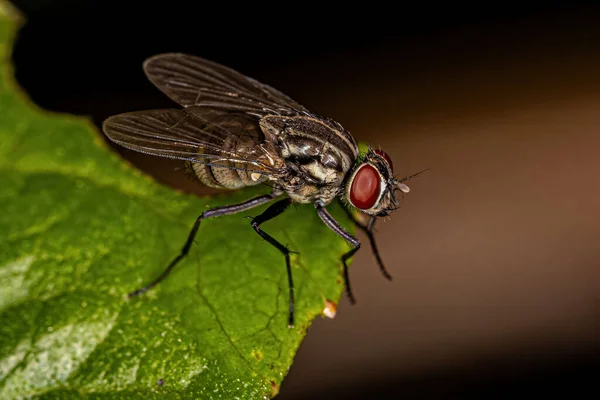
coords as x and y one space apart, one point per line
234 131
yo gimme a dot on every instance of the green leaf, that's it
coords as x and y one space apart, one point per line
80 228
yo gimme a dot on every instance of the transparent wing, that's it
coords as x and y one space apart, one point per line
207 136
191 80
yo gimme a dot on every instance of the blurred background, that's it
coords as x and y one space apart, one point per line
495 251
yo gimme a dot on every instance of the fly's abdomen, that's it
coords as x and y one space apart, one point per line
230 140
220 172
225 176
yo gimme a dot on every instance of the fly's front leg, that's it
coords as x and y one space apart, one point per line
335 226
213 212
368 230
270 213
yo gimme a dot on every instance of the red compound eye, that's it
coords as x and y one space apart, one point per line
365 187
387 158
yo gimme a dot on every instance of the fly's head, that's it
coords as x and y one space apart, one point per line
371 186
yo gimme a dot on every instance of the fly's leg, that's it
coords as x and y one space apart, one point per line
213 212
335 226
368 230
270 213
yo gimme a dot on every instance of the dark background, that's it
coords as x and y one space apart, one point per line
495 252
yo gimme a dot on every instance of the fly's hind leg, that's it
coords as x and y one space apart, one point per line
213 212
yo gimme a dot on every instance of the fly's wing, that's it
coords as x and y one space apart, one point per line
202 135
194 81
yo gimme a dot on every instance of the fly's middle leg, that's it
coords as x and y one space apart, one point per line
270 213
214 212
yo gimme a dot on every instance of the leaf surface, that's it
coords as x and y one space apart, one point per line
80 228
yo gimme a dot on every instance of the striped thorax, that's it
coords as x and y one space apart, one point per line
317 153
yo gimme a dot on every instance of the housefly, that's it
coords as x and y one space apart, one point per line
234 131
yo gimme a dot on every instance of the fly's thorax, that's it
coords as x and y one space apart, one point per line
308 137
318 154
309 193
